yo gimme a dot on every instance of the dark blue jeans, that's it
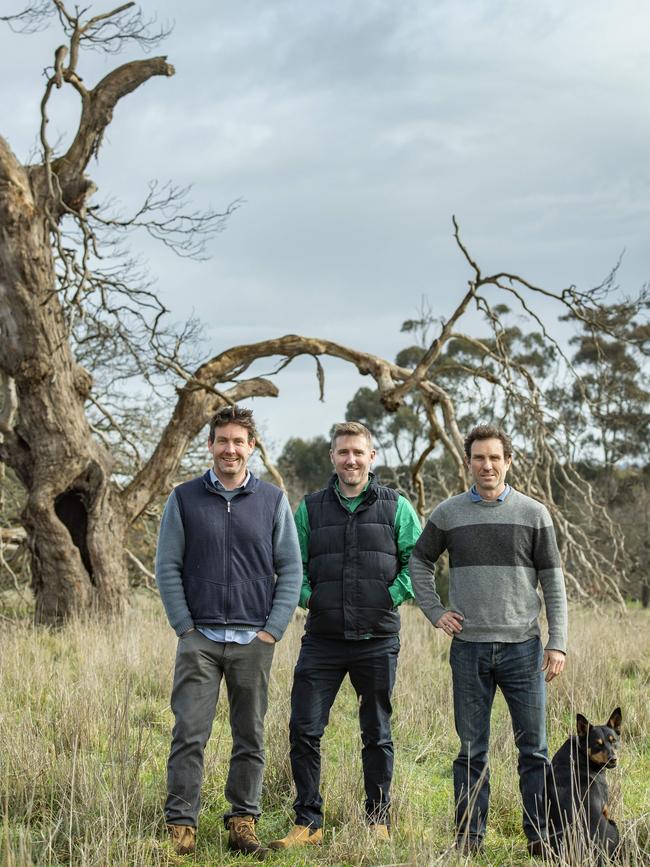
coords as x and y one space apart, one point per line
477 669
321 667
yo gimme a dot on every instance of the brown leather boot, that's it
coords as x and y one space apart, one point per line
242 837
183 838
299 835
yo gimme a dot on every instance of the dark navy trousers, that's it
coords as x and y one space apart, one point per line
322 665
477 669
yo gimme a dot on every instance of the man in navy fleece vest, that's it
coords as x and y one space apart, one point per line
229 571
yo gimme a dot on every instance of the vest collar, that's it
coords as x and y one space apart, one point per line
249 488
369 495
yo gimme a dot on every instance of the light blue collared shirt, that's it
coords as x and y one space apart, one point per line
476 497
224 634
232 491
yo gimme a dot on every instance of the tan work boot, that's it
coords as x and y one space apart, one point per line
380 833
242 837
299 835
183 838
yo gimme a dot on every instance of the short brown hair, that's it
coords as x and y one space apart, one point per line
488 432
235 414
350 429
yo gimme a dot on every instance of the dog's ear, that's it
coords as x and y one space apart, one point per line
614 721
582 725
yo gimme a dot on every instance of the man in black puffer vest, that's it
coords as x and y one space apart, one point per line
356 537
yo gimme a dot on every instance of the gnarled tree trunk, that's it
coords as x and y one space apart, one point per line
75 522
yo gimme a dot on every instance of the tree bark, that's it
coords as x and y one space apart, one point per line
75 517
72 515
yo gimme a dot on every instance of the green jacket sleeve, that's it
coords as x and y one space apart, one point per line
302 526
407 532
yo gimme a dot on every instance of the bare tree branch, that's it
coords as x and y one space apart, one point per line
396 396
97 113
115 425
164 217
271 468
7 417
109 31
149 577
34 17
9 405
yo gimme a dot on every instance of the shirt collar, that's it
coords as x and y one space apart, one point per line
341 494
477 498
217 484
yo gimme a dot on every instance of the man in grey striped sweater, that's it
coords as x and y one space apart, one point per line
501 547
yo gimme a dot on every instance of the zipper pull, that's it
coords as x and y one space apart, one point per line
228 501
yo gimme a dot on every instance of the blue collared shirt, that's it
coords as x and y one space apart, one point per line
476 497
232 491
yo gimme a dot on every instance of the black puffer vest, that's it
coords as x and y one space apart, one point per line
352 561
228 571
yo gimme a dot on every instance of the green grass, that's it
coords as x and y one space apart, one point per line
85 725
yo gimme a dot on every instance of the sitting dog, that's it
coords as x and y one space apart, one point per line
577 792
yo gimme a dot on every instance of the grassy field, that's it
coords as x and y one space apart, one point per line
85 723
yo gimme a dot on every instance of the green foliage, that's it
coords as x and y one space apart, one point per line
367 408
613 392
305 465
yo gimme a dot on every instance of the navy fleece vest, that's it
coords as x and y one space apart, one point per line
352 561
228 570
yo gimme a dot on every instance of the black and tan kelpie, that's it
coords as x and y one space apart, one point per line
577 793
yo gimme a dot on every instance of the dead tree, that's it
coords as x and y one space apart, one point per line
59 298
75 515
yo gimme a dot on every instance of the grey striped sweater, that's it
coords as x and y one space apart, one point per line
499 553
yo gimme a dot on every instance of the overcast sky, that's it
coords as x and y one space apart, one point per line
353 130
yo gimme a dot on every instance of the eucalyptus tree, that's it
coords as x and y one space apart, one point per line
612 349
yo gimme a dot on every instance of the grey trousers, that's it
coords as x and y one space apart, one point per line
200 665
